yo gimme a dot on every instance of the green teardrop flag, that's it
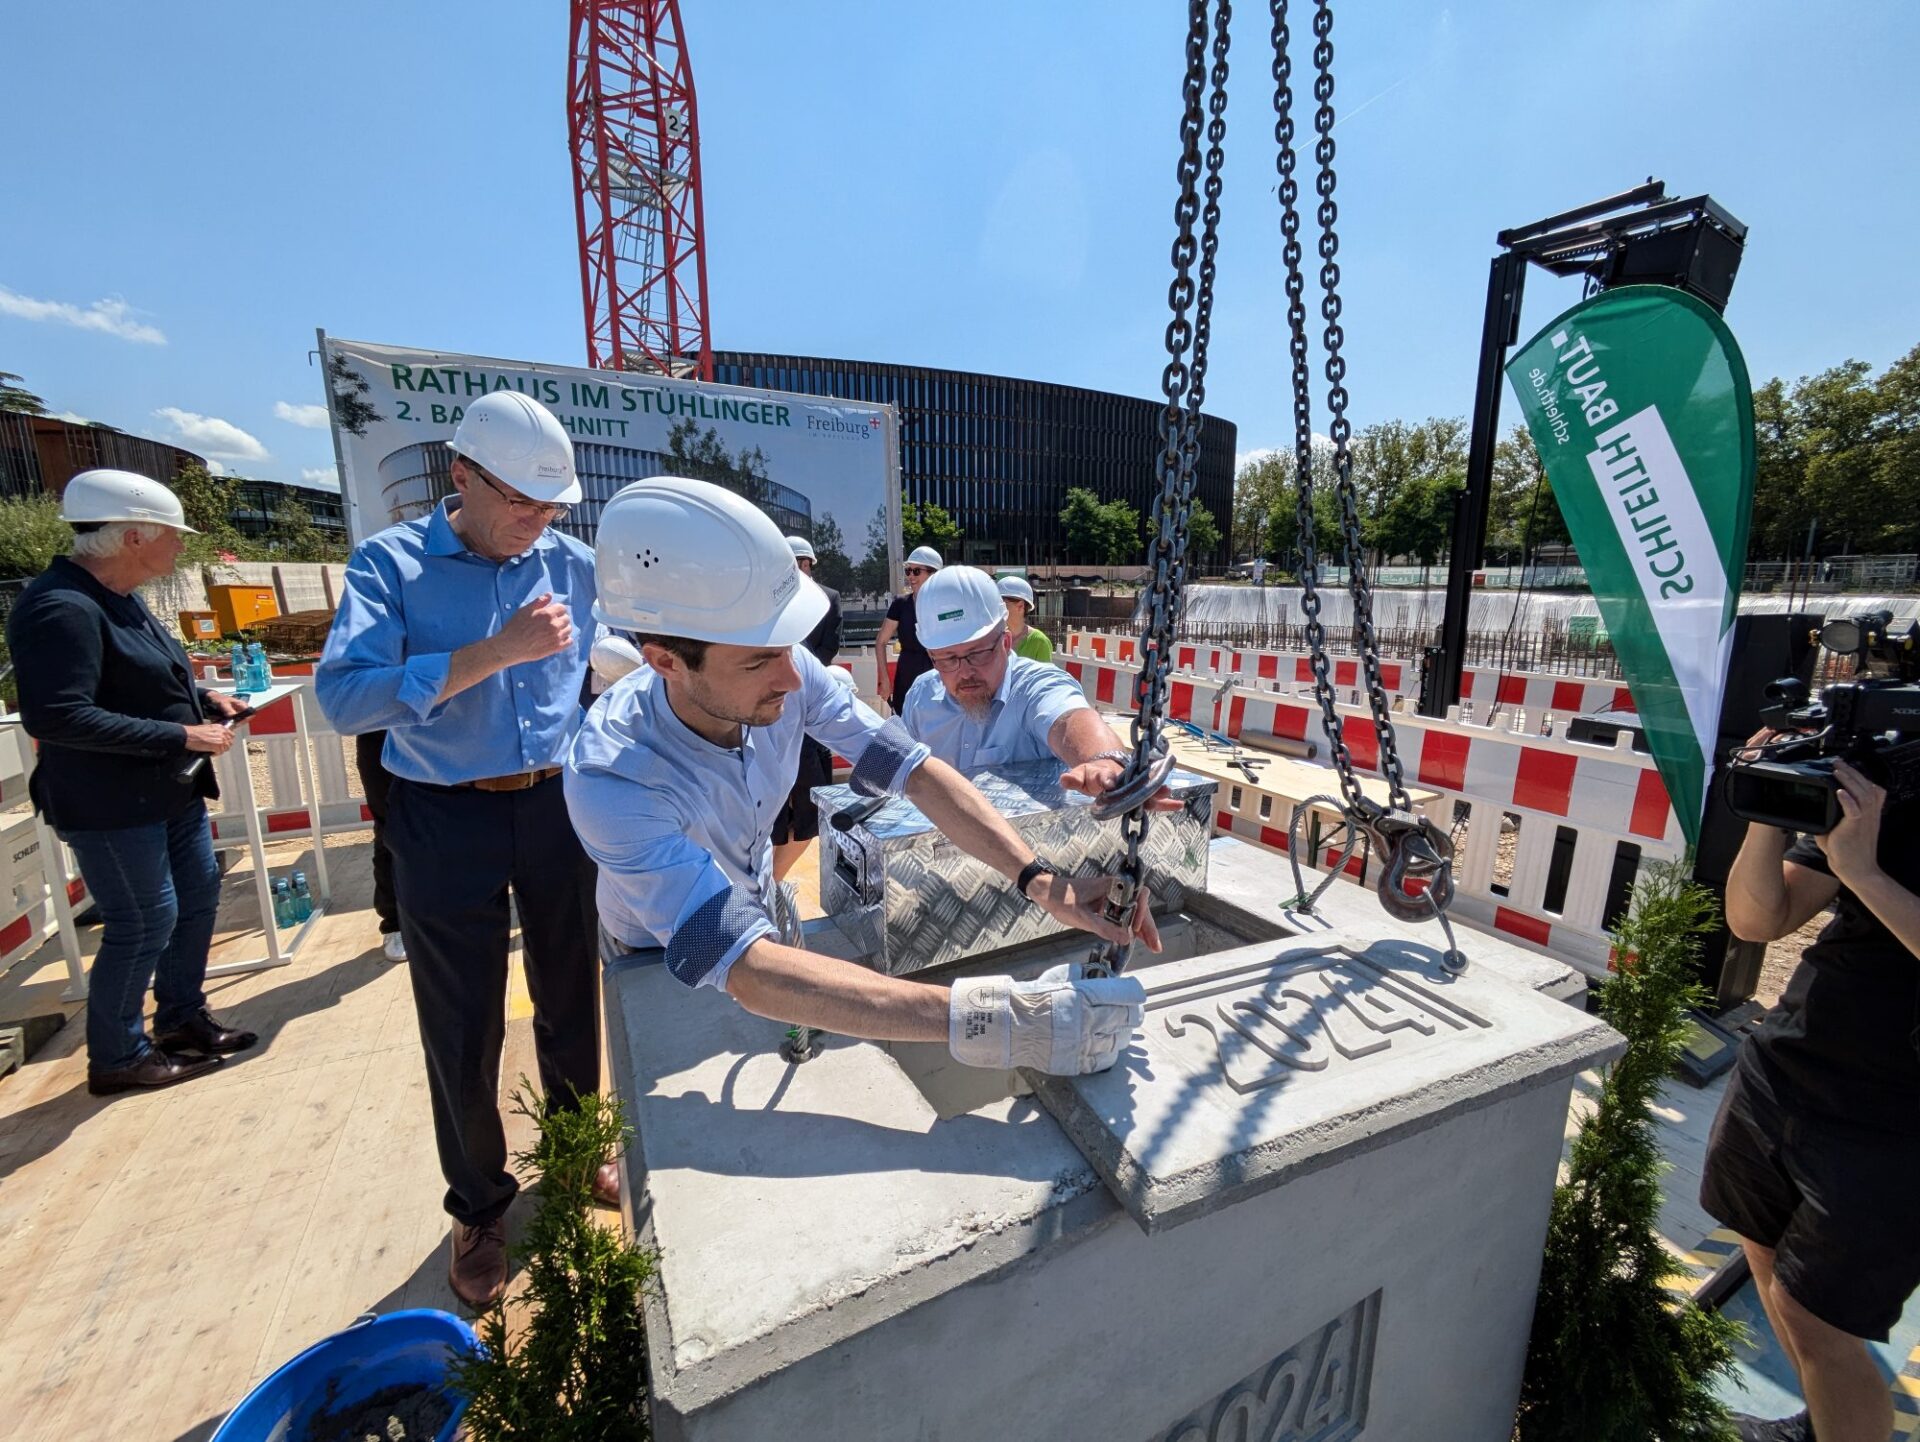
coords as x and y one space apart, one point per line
1639 404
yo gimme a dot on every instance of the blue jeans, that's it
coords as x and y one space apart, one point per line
158 888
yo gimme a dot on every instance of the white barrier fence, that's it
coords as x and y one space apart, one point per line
1549 832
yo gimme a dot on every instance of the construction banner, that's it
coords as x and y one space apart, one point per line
819 466
1639 404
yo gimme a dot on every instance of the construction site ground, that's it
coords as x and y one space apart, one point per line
164 1252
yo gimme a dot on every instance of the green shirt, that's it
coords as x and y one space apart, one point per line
1034 646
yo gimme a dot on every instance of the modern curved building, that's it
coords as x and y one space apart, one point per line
415 478
999 454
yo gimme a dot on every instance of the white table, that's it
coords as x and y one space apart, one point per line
237 785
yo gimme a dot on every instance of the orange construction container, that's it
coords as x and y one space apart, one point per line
199 626
238 608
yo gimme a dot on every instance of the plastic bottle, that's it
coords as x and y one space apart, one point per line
242 676
282 903
261 667
302 898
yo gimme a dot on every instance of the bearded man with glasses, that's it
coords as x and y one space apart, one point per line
464 635
982 705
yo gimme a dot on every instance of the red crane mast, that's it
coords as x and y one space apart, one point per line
635 131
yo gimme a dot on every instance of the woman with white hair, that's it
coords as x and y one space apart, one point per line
107 692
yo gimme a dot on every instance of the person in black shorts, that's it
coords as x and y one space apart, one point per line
1815 1155
799 820
902 624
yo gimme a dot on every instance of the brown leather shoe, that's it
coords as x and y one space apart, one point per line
606 1185
477 1271
204 1032
156 1068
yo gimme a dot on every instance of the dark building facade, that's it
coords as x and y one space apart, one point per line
39 454
254 503
998 454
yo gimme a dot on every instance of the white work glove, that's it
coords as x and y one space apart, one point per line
613 657
1056 1023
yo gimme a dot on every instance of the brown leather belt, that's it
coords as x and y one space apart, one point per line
519 781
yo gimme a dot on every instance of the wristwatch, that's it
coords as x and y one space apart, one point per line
1032 870
1125 758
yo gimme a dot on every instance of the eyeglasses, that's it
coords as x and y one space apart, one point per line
521 506
974 660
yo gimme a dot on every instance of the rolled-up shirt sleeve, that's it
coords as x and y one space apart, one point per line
1054 694
658 888
882 753
366 680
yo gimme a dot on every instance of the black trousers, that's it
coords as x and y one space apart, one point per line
374 781
456 854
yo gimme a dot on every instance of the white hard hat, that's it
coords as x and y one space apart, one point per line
925 556
94 497
1016 588
613 657
521 442
677 557
802 548
958 605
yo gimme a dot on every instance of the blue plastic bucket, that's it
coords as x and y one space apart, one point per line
399 1349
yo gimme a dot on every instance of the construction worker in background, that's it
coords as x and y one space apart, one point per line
464 635
984 706
1028 640
799 820
900 625
675 776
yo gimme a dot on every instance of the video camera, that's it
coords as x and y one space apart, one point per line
1873 725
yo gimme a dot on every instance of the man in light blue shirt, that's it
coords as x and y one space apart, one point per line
676 776
464 635
981 705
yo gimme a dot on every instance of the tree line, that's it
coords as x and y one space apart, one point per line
1837 471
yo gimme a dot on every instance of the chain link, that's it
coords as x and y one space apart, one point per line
1184 383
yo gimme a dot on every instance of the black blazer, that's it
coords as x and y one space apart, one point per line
107 692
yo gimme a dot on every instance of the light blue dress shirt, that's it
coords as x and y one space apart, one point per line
414 595
682 828
1032 696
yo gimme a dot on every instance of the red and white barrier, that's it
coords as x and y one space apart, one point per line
40 886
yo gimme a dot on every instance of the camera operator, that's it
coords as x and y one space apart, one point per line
1815 1155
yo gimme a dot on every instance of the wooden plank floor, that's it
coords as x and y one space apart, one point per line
160 1253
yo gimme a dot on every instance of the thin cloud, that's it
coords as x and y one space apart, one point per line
73 418
324 478
212 436
109 317
314 418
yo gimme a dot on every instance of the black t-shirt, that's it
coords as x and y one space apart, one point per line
906 628
1843 1045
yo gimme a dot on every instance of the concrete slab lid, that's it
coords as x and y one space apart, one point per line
745 1156
1259 1064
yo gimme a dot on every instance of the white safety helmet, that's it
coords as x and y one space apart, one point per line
802 549
519 441
676 557
613 657
958 605
1015 588
95 497
925 556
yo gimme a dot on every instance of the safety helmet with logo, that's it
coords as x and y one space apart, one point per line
677 557
960 604
925 556
802 549
94 498
517 440
1015 588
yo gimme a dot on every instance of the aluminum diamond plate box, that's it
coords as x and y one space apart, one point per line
909 899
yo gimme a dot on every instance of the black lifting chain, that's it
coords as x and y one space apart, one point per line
1417 875
1184 382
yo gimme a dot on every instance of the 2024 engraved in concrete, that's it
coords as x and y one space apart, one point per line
1268 1023
1315 1391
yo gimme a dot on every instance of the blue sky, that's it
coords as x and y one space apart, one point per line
192 188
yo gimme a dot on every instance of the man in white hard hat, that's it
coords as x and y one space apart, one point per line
900 625
799 820
981 705
677 771
464 636
107 693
